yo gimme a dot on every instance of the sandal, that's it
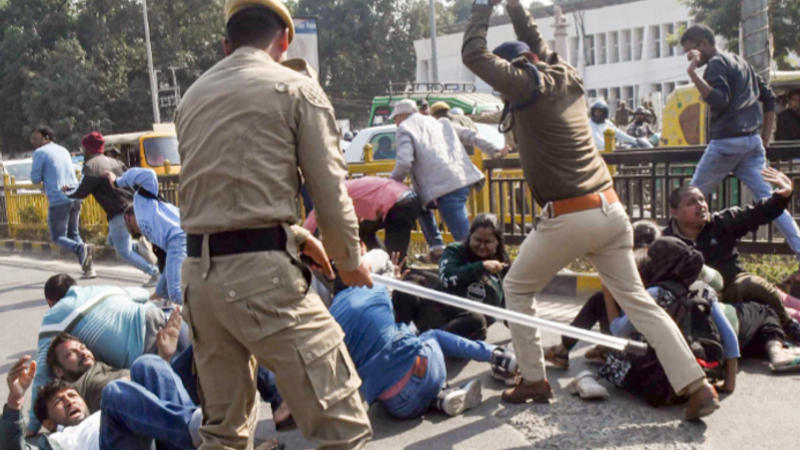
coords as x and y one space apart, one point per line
556 358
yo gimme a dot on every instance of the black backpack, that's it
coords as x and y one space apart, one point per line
691 311
643 375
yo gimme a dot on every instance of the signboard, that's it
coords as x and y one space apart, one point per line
304 44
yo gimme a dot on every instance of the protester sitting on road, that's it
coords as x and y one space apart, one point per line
113 201
405 372
645 232
716 236
473 269
381 203
52 165
116 324
159 222
432 152
670 260
151 407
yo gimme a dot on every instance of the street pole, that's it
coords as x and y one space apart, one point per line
434 62
151 72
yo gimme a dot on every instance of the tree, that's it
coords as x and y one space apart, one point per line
723 16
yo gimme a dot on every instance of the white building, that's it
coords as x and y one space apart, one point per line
621 49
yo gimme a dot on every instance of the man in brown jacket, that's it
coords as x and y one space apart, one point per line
582 215
247 128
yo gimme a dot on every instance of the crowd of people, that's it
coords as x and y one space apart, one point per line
248 302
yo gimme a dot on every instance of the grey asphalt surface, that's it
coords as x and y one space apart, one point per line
762 413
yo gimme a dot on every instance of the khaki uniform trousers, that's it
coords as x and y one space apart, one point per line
605 236
254 308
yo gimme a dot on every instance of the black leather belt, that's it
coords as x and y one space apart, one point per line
237 241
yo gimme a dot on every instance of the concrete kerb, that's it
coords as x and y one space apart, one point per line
573 284
36 248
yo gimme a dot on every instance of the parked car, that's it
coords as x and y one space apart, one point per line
384 146
20 169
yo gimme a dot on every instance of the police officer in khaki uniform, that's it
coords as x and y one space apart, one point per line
247 128
582 215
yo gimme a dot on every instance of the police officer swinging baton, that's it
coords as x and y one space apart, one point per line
625 345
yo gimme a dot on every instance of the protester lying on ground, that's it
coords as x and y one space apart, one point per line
645 232
160 222
716 236
113 201
151 408
117 324
381 203
405 372
473 269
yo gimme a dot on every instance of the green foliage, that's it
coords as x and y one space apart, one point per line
723 16
29 215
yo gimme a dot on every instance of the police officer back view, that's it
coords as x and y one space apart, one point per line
245 128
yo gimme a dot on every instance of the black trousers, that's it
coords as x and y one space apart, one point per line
592 312
399 222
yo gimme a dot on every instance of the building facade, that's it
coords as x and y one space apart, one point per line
622 48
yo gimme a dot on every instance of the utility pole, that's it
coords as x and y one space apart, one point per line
434 61
755 36
151 72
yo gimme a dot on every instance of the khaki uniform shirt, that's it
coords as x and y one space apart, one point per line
245 128
554 141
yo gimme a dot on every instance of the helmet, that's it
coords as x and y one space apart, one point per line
599 105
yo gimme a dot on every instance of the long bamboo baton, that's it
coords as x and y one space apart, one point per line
617 343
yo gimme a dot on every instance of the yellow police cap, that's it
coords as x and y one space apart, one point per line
277 6
439 106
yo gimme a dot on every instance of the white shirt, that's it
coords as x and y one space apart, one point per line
598 130
83 436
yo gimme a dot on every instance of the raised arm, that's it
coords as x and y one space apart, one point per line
526 29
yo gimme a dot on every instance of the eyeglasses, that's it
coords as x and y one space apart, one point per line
478 241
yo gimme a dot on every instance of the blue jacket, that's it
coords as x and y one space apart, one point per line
382 350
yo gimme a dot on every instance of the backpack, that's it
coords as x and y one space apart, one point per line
691 311
643 375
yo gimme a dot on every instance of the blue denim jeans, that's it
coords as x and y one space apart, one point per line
63 220
152 406
169 285
745 157
418 394
453 209
120 239
265 380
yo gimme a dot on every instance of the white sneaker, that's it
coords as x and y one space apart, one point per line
152 281
89 273
587 387
457 400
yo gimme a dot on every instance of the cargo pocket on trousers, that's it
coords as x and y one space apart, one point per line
329 368
266 303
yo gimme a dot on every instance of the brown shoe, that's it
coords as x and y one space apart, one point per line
702 402
538 391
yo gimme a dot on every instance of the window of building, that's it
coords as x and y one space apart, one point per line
591 94
667 31
655 87
669 87
654 47
588 50
614 96
613 47
638 43
573 51
601 48
603 94
627 95
626 46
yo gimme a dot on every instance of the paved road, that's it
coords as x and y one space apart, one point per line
763 413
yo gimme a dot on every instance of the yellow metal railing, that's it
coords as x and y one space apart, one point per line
26 209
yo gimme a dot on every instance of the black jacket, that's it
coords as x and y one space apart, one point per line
112 200
788 126
736 91
717 240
